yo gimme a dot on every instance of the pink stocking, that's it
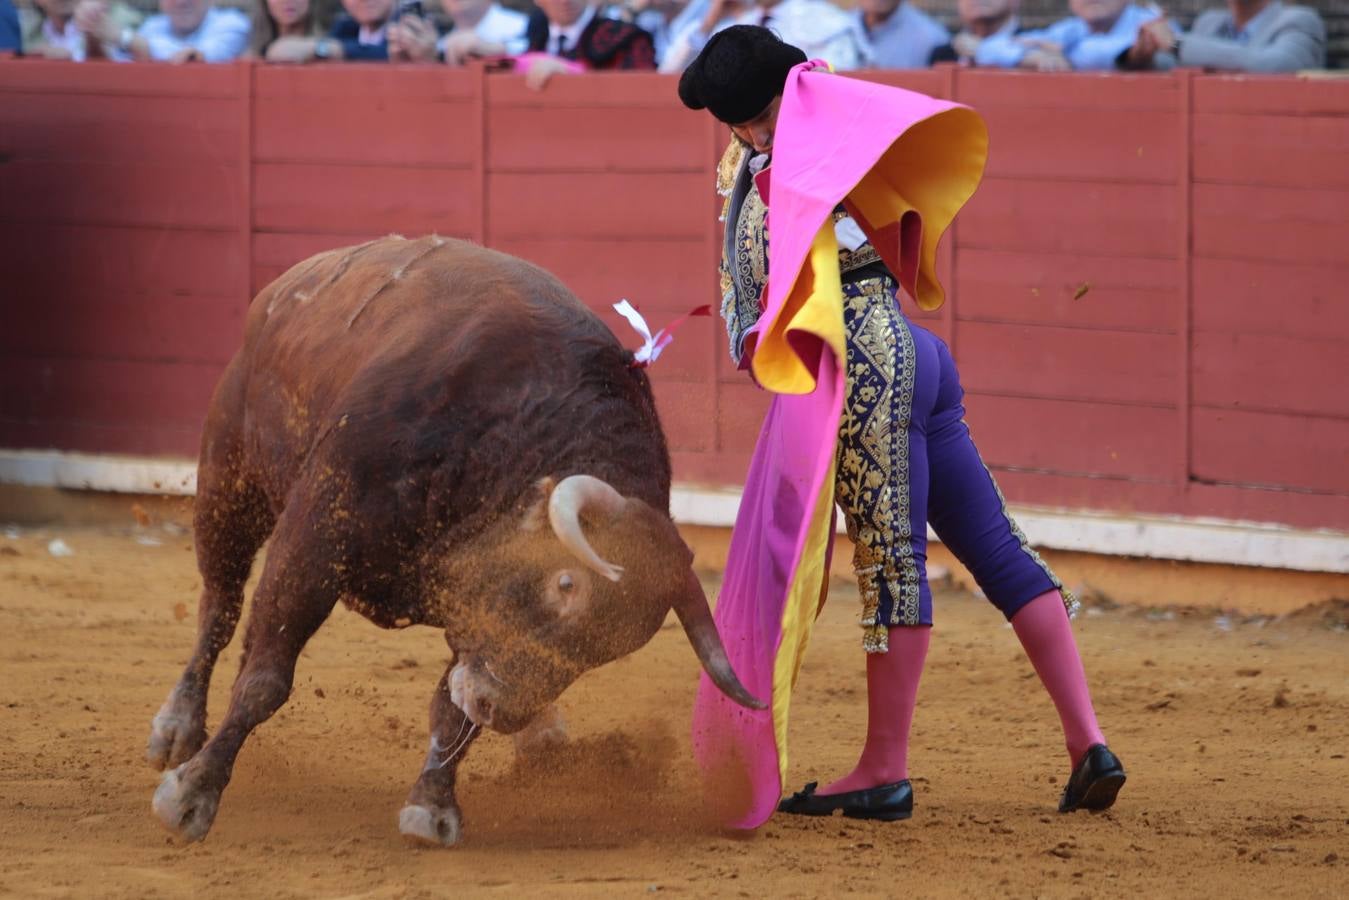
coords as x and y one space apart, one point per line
892 690
1044 631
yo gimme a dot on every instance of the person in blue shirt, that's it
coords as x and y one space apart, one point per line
9 28
895 34
979 21
1094 38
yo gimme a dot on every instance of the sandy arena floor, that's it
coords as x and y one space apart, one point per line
1235 734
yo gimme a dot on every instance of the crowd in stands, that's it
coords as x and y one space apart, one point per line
561 36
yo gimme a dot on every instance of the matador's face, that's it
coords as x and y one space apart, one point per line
758 131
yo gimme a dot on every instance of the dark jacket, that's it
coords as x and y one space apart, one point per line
604 44
347 31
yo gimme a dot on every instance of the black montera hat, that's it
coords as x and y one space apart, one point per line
738 73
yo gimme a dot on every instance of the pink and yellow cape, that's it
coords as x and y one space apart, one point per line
903 164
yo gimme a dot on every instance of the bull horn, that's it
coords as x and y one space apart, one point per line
572 496
694 615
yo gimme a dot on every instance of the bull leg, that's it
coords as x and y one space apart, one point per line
230 523
291 602
431 814
546 732
225 551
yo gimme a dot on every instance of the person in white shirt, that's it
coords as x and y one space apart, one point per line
184 31
819 28
482 28
61 37
690 30
895 34
51 29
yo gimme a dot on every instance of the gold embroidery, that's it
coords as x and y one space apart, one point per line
751 251
849 260
1070 602
873 472
745 272
729 169
867 563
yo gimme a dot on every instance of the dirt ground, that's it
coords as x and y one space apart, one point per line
1234 731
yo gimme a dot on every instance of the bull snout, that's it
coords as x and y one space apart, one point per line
470 692
490 702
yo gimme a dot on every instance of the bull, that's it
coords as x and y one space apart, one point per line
431 433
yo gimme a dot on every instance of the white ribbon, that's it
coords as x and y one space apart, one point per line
651 345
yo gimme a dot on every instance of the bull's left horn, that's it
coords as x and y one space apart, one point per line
696 618
572 496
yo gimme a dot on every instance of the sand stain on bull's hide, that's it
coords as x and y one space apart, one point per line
614 789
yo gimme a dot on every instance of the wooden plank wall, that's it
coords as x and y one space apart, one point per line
1070 286
404 156
122 208
607 182
1270 357
1146 293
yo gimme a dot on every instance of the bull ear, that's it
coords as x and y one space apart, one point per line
536 510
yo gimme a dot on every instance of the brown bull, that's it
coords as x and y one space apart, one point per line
433 434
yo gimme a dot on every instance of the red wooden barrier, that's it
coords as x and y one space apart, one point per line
1146 295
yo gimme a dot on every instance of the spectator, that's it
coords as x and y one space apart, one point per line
9 29
979 20
482 28
574 32
184 31
895 34
699 21
1093 39
655 17
819 28
1248 36
50 30
411 37
284 30
361 34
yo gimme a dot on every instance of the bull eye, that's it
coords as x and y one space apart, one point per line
565 584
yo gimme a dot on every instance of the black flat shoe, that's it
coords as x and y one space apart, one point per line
888 803
1095 781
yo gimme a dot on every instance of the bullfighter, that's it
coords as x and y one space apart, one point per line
897 449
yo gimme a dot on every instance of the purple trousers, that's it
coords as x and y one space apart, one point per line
906 459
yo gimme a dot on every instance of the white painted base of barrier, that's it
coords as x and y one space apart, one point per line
1156 537
95 472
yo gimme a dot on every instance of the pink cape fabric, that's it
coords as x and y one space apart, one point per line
520 64
831 132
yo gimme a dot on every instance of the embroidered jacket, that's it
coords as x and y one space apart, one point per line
744 254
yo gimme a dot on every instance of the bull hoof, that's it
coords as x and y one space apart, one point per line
430 827
175 735
185 811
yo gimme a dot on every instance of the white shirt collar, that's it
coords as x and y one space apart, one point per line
571 32
370 38
500 24
70 38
